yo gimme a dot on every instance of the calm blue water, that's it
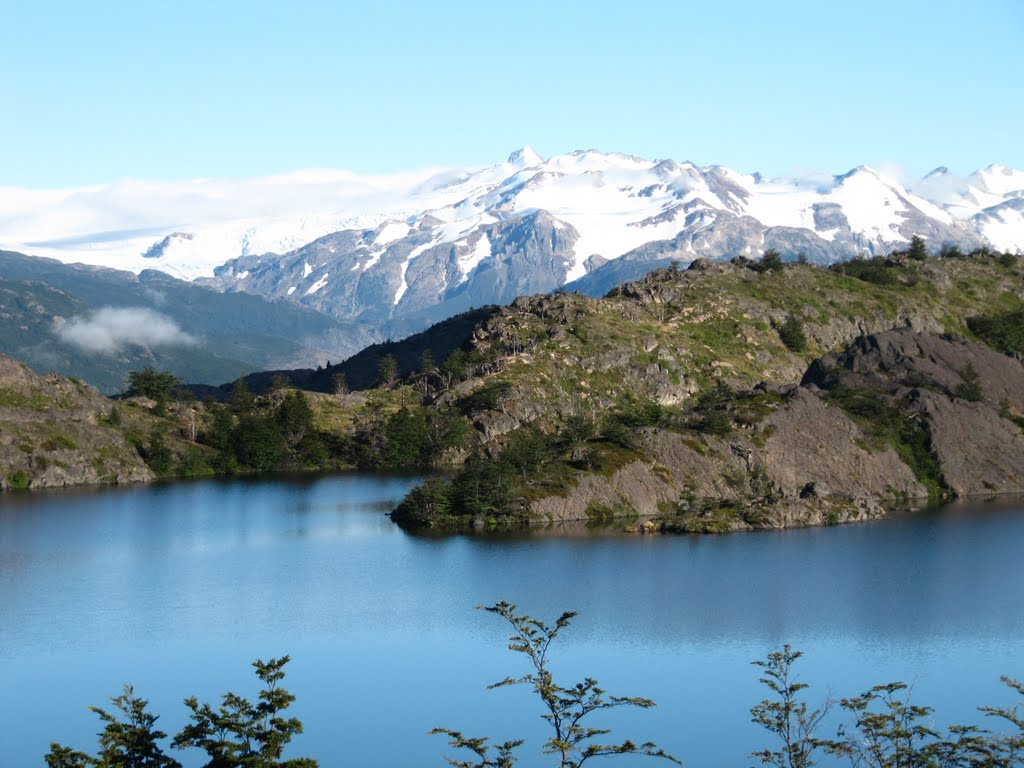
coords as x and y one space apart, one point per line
176 588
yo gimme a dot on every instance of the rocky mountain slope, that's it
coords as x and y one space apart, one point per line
725 396
56 431
677 403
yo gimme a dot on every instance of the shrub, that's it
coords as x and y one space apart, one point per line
716 422
489 397
876 270
791 332
969 388
1002 331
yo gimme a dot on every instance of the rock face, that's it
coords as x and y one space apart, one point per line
55 432
809 462
403 278
972 433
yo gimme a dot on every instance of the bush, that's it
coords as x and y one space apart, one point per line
791 332
876 270
489 397
969 388
156 454
716 422
1002 331
887 423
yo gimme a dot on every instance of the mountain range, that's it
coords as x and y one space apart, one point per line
390 255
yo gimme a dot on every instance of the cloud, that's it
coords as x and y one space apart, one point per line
111 329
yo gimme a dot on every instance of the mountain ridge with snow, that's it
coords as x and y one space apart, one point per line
428 243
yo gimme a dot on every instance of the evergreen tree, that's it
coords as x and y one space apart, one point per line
258 442
771 261
295 418
917 251
241 400
151 383
387 371
791 332
156 453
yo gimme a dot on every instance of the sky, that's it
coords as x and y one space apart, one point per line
100 91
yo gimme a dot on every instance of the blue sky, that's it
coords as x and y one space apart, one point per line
93 92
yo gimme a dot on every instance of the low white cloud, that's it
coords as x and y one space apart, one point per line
111 329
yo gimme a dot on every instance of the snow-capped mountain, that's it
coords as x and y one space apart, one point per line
419 246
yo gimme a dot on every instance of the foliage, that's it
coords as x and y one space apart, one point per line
771 261
889 424
339 384
711 411
887 730
791 333
884 730
157 454
387 371
565 708
527 451
1010 746
241 400
407 438
786 715
489 397
258 442
878 270
969 388
1008 260
294 418
715 422
1002 331
151 383
131 742
237 734
241 733
917 250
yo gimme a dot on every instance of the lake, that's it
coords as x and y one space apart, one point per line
177 588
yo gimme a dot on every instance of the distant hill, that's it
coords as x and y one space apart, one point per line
98 324
56 431
360 372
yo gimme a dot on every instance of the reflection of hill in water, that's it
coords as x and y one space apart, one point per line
938 574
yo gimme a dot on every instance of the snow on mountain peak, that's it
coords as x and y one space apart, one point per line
614 202
526 157
999 180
